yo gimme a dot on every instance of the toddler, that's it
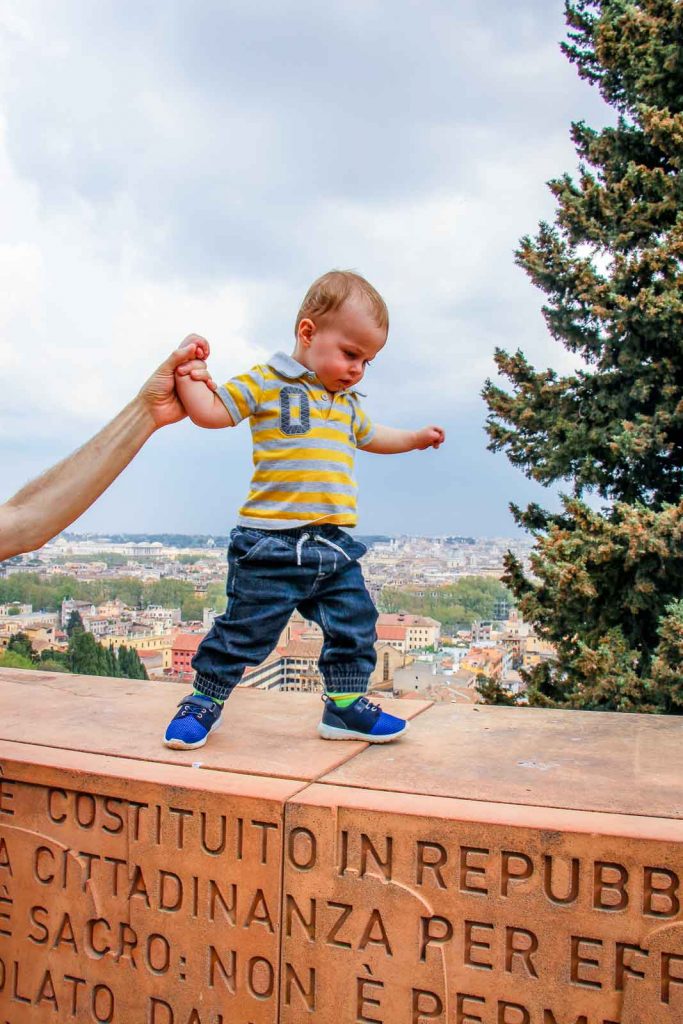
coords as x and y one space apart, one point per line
288 550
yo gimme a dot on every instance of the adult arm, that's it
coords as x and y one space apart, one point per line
47 505
393 441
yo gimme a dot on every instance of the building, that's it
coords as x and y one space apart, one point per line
389 660
161 619
70 605
300 666
421 680
183 649
419 631
13 608
536 651
487 661
394 635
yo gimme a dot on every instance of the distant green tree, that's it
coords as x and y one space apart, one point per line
20 644
607 585
130 666
84 654
10 659
54 658
51 665
492 691
455 606
75 623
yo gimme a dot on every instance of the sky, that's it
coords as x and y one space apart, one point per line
173 167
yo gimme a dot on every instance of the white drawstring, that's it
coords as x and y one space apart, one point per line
331 544
299 545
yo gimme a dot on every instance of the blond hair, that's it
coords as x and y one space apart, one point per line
331 291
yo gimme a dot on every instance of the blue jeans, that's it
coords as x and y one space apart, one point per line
270 573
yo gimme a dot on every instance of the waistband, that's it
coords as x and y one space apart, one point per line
293 536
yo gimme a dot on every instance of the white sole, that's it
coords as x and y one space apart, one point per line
330 732
181 745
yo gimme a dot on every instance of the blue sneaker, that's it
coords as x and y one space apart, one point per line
198 716
359 721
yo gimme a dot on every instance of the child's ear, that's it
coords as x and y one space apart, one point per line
306 331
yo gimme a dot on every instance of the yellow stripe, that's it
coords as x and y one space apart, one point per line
240 400
293 476
320 454
314 498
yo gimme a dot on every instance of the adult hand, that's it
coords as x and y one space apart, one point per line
197 369
159 395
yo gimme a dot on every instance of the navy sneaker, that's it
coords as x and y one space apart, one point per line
198 716
359 721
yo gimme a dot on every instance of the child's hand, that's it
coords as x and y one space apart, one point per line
197 350
196 369
429 437
196 346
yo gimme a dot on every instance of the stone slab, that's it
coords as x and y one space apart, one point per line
137 892
627 764
407 909
271 734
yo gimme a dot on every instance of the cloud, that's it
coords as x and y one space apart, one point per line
167 168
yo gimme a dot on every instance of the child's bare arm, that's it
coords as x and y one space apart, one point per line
197 392
392 441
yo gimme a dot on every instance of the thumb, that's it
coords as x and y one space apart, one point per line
179 356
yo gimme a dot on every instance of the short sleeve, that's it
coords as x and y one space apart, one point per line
363 427
242 394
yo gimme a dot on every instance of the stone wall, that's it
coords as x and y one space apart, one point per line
496 866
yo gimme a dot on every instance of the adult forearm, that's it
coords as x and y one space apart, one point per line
50 503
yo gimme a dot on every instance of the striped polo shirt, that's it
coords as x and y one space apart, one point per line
304 442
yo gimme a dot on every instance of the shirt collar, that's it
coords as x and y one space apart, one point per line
293 370
288 366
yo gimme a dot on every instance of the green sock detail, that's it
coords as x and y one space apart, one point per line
342 700
216 700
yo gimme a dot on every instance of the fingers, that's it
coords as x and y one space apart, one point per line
186 368
192 347
434 437
199 371
200 345
196 369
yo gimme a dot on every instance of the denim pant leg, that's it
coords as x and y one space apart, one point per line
347 616
261 598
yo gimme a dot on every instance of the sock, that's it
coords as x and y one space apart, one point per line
342 700
216 700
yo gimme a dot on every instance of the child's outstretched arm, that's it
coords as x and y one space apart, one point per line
197 390
392 441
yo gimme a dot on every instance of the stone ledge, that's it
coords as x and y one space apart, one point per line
502 866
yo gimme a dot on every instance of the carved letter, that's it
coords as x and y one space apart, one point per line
308 995
421 1012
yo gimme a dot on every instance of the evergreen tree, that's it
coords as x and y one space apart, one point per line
84 654
608 584
130 666
492 691
74 623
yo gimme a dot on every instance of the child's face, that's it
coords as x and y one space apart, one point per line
341 344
